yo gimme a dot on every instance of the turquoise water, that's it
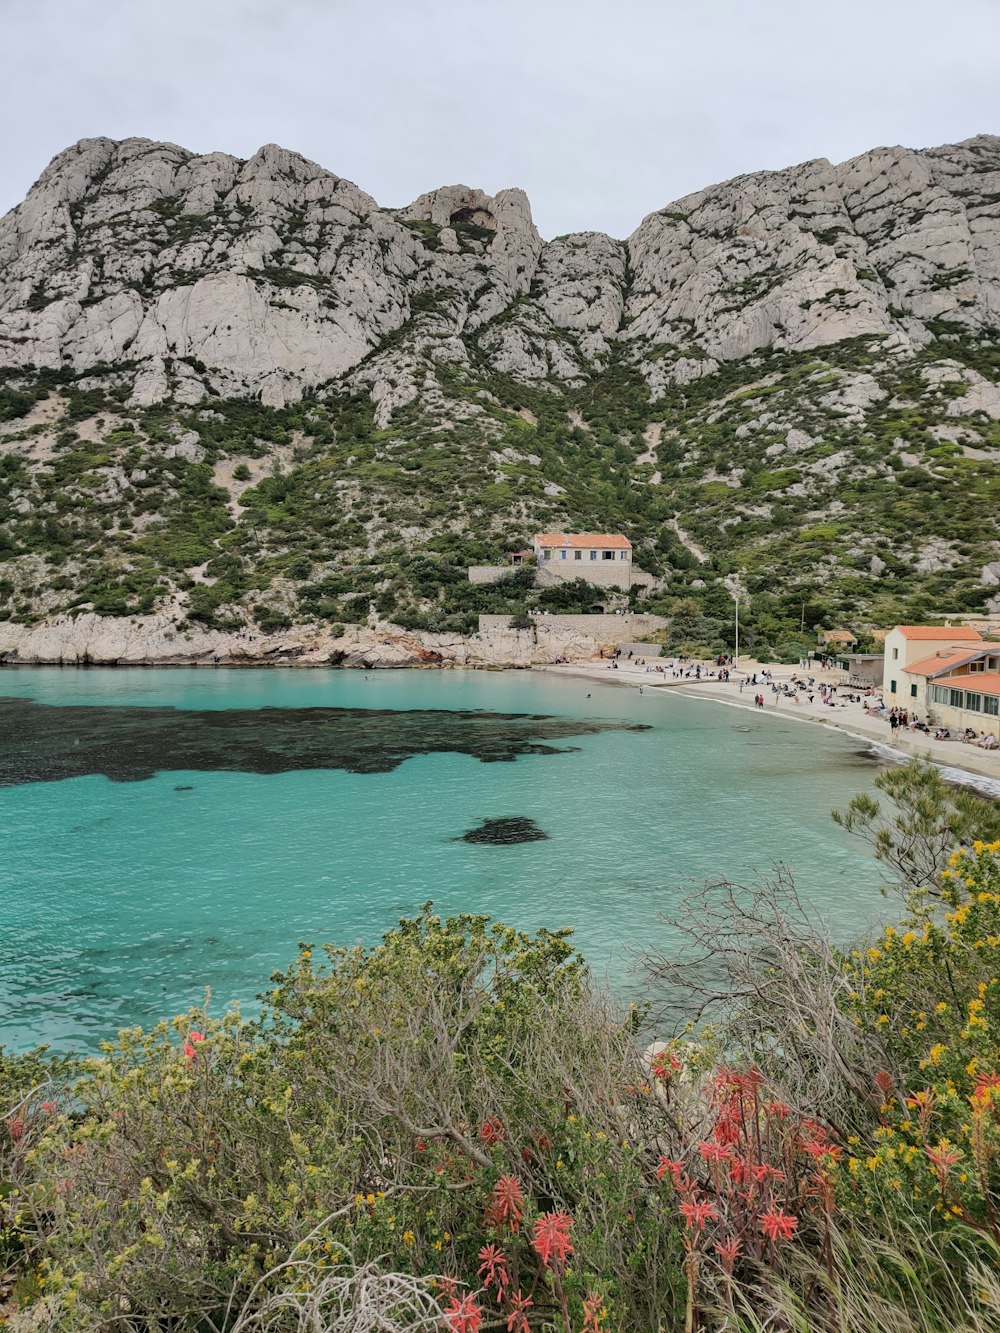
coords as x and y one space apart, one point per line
122 901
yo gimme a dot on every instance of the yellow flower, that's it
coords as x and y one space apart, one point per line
409 1238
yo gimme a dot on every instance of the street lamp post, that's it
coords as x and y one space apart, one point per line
736 654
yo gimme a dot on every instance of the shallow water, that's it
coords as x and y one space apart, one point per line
128 885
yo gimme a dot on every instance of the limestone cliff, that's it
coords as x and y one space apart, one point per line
243 392
277 276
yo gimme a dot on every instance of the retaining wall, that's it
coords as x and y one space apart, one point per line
600 573
604 629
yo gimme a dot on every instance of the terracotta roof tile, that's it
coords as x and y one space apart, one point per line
945 661
939 633
603 540
976 682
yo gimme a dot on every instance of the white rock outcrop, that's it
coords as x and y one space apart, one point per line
272 276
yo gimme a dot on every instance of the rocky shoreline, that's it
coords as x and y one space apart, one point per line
158 640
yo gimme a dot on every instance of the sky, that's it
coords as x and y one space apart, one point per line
601 110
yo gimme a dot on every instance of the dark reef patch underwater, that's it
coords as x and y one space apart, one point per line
46 743
505 832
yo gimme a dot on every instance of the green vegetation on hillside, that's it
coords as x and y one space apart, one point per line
834 487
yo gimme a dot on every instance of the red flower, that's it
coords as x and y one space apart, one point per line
697 1212
551 1240
761 1171
189 1046
491 1132
943 1159
517 1320
817 1148
728 1251
777 1224
664 1064
715 1152
493 1267
985 1085
883 1084
15 1126
592 1307
48 1107
506 1208
675 1169
463 1315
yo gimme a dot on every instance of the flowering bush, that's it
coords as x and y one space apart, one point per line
456 1119
929 989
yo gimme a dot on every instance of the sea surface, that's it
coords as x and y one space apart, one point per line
167 830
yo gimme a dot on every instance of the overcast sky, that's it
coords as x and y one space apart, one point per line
602 110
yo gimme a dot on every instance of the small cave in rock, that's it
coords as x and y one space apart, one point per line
477 217
505 832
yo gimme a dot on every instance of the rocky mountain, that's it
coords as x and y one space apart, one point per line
241 391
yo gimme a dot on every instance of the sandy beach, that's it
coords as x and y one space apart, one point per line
965 760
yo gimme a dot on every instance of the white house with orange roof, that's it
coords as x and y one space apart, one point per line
604 558
966 695
908 644
948 673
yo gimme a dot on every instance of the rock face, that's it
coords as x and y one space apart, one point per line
92 640
236 395
273 276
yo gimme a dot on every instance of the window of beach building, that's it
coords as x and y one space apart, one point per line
991 705
895 654
913 691
974 702
892 687
955 698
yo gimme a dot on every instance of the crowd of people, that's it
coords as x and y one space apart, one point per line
800 687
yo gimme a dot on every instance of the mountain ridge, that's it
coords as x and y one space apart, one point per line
811 351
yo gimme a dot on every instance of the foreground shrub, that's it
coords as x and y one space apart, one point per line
376 1108
455 1130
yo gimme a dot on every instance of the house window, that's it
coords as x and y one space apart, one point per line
623 555
895 654
940 694
913 691
577 555
977 666
955 698
593 555
562 555
991 705
973 702
892 687
608 555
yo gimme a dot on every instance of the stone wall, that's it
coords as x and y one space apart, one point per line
602 574
641 649
602 629
489 573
